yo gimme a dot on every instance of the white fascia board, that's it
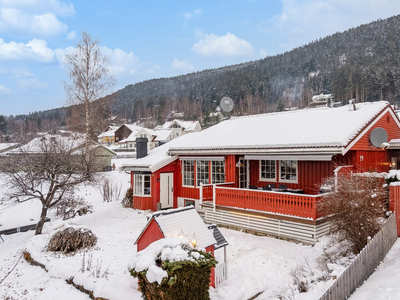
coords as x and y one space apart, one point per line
360 135
162 163
244 151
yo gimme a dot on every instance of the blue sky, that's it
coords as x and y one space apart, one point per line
153 39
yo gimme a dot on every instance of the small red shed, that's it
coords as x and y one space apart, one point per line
184 223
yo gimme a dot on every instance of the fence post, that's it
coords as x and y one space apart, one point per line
214 196
201 194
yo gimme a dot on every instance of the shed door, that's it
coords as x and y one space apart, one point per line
167 190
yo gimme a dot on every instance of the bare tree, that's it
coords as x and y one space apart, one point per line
355 206
89 74
47 169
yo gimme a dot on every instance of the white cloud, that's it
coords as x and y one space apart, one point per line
34 18
182 65
59 8
303 21
211 45
191 14
121 63
71 35
263 53
21 73
32 25
5 90
30 84
34 50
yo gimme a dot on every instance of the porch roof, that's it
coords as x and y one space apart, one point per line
318 130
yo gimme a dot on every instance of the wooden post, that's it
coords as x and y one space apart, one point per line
214 196
394 204
201 194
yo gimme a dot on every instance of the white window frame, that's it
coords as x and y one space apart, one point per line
183 172
207 165
288 180
221 173
267 179
141 183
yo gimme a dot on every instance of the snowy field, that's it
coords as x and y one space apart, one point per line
256 265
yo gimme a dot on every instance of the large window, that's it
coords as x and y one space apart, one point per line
142 185
288 170
188 172
218 171
202 172
267 170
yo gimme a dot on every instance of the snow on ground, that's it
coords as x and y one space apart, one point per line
384 282
255 264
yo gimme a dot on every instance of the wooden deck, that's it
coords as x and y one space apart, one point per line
284 203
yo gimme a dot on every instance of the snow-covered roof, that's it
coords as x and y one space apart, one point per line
36 145
107 133
132 127
321 97
172 221
186 125
5 146
327 128
135 133
162 135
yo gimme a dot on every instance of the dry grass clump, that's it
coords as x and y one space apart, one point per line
71 240
127 201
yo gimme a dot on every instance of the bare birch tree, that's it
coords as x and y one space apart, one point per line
47 169
87 69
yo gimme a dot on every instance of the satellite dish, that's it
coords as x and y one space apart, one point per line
378 136
226 104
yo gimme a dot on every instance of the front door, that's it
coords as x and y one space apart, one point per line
243 174
167 190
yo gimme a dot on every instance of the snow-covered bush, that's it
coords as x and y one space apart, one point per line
72 239
355 208
171 268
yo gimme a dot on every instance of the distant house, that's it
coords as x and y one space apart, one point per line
182 127
124 131
107 136
185 223
263 172
164 136
130 142
74 142
322 100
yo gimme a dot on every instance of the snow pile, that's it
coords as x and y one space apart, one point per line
167 249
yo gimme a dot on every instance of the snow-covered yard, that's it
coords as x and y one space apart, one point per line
255 264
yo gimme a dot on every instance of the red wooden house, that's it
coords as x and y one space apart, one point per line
185 223
263 172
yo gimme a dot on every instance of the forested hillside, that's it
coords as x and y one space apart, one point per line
361 63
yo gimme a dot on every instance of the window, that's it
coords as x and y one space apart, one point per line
189 202
142 185
188 172
288 170
267 170
218 171
202 172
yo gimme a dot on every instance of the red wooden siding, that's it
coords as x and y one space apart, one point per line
143 203
388 123
151 234
230 168
281 203
310 174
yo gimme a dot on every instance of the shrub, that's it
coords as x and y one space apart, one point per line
127 201
71 240
183 276
69 207
111 191
354 206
